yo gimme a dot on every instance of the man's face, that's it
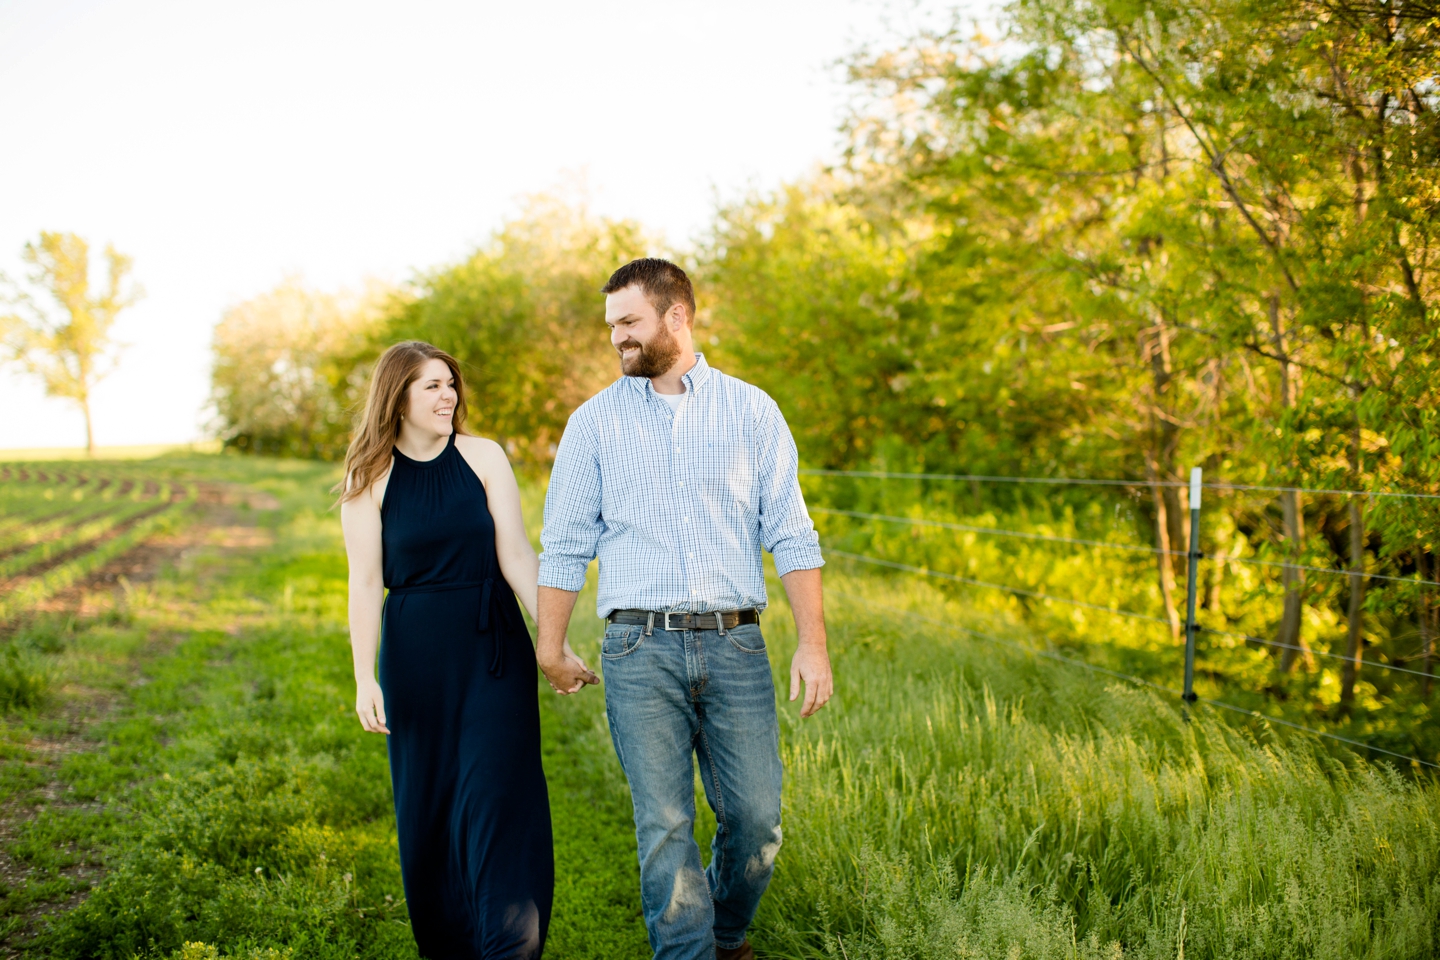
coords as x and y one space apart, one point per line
643 338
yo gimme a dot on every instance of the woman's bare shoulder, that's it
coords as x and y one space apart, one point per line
483 446
373 498
485 456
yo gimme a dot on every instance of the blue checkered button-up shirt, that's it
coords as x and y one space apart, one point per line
676 505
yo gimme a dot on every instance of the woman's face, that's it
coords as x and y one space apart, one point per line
430 400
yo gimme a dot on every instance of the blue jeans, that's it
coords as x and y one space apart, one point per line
670 695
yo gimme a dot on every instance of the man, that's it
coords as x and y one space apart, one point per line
675 476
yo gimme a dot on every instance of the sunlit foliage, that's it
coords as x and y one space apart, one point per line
290 369
70 348
523 314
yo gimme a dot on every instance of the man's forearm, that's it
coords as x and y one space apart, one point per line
803 587
553 620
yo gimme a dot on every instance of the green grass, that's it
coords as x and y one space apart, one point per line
957 799
963 799
236 802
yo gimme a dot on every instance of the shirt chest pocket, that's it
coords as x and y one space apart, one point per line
636 473
725 470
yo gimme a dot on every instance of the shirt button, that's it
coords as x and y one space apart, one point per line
687 519
690 555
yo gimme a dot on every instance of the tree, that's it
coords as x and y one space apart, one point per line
524 316
1137 236
290 369
71 350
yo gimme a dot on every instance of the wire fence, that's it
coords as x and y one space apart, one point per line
983 478
1108 545
1130 678
1194 555
1116 611
997 531
1017 591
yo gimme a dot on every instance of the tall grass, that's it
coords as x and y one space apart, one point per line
1238 598
962 800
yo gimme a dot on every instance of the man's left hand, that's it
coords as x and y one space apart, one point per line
812 666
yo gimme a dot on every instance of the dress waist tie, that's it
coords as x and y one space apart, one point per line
483 623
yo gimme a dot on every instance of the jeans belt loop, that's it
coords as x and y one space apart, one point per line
650 624
720 622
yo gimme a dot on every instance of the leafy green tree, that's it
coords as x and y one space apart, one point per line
290 369
70 348
524 315
1135 237
800 294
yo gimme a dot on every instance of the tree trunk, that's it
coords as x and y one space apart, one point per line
1293 577
1427 635
1177 513
1354 646
1217 578
1354 641
89 427
1171 519
1163 558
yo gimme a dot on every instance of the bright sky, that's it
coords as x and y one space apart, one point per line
226 145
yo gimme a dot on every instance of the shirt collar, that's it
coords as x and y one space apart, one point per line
694 378
697 374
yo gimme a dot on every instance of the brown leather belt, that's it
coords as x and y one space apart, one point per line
724 620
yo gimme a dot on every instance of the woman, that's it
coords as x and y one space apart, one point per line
433 515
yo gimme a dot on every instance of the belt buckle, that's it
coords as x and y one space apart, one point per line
667 626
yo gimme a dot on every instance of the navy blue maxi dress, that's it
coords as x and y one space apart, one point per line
459 676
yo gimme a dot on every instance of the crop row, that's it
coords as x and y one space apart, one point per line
35 514
58 527
28 506
79 534
18 531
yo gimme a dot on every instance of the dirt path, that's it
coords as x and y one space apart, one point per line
35 747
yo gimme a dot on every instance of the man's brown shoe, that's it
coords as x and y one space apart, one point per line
742 952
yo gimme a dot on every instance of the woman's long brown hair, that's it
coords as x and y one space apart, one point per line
369 455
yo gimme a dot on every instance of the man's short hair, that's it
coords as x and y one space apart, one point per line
663 284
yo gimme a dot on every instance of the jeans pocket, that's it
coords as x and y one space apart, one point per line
621 640
747 638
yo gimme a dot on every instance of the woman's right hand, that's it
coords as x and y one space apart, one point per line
370 705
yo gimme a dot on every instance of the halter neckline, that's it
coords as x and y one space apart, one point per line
449 445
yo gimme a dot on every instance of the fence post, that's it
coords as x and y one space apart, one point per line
1191 583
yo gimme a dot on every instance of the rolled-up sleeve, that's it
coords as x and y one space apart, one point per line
785 526
573 525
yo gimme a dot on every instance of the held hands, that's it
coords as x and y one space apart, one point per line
370 705
812 665
568 674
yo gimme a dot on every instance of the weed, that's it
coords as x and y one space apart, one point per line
25 678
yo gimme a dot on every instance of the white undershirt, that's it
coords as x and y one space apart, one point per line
671 398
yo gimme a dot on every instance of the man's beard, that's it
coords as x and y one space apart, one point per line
653 358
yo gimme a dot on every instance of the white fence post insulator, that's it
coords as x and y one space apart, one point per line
1190 586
